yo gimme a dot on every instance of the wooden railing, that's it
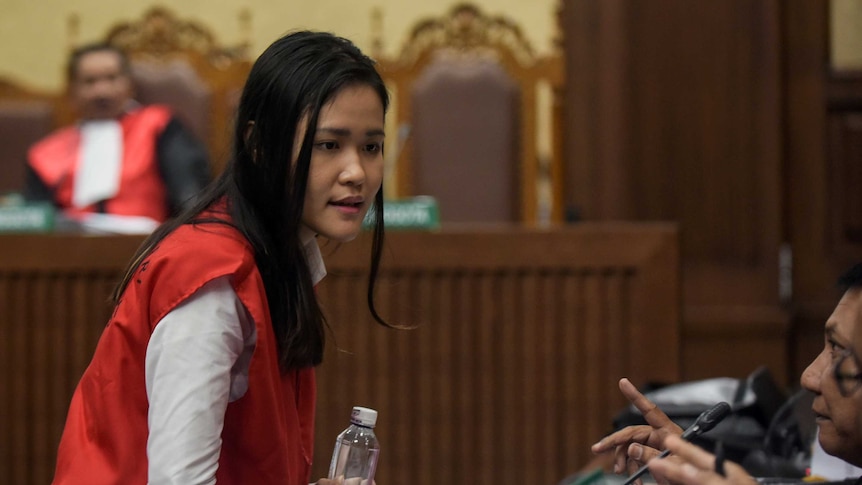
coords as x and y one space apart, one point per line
508 376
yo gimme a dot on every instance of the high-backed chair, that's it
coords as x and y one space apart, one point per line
475 119
25 116
180 63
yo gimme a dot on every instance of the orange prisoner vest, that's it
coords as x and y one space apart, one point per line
268 433
141 192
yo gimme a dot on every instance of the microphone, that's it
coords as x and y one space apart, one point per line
705 422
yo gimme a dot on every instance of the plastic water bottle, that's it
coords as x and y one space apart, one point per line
356 449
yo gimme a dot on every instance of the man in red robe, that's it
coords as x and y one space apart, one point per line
121 158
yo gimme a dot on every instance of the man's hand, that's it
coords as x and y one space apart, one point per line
633 446
694 466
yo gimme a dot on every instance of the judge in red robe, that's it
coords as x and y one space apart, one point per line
120 158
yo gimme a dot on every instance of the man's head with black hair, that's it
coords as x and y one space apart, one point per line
99 81
852 278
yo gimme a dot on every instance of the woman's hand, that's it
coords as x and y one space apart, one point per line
634 446
694 466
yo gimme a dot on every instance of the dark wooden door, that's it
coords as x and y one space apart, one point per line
824 174
674 112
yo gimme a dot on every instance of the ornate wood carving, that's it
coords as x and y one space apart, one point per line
160 35
466 30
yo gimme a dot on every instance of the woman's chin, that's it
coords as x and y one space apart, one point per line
340 236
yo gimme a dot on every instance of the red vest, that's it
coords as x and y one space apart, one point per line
142 191
268 433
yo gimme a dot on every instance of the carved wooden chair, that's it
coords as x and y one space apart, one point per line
26 116
475 119
180 63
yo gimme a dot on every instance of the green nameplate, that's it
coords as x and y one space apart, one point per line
26 218
414 213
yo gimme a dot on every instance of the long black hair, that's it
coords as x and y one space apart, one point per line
264 192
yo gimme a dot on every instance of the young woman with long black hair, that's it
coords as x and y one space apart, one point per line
205 371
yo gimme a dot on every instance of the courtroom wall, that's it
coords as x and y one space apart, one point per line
846 34
33 34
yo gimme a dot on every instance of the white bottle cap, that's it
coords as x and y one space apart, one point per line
363 416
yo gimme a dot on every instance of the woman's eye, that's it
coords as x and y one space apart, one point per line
373 147
326 145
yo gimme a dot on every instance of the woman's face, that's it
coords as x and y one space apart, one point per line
346 168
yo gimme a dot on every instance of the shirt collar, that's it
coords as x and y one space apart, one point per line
315 261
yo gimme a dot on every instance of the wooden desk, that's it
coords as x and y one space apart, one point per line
509 377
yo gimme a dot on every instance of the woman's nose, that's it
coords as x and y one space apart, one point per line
353 172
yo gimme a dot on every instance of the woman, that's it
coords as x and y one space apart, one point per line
205 371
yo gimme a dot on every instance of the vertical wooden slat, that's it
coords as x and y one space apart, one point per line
445 384
508 366
378 395
488 423
594 381
62 378
528 324
548 374
7 314
572 361
395 406
616 361
19 390
37 360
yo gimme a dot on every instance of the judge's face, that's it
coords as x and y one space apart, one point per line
839 415
100 88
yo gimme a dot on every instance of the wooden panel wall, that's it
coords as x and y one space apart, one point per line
53 305
814 269
509 376
824 176
674 112
844 138
512 373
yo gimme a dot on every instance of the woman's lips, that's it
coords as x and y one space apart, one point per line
347 209
349 205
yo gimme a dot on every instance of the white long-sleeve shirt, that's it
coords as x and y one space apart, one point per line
197 362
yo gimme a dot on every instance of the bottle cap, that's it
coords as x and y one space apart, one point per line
363 416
